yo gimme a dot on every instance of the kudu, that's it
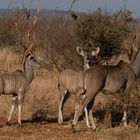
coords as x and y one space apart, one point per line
18 82
135 64
71 81
103 78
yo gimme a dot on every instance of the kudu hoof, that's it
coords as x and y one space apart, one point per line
94 129
89 126
61 123
72 126
20 125
8 123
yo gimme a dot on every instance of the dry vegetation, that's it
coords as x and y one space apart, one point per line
56 44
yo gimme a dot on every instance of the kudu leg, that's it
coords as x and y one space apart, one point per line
63 99
14 102
77 114
87 117
80 105
92 120
124 119
60 115
128 89
90 105
20 104
19 114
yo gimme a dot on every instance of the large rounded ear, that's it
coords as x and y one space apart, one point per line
80 51
93 53
28 53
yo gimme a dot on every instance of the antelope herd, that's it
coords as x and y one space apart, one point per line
85 84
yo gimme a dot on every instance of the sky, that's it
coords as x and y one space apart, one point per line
80 5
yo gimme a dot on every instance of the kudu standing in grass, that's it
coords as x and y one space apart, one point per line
111 79
135 66
18 82
71 81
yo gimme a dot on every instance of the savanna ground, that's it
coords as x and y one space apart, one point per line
40 112
58 42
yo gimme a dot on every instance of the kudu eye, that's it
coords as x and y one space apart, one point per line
32 58
87 59
82 95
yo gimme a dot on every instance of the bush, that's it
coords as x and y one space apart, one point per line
58 45
12 27
58 42
104 30
130 101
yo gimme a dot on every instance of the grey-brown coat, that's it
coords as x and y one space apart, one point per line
18 82
99 78
72 81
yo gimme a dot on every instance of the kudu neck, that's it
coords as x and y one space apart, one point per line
86 66
28 69
135 64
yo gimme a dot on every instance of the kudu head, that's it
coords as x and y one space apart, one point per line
32 61
88 56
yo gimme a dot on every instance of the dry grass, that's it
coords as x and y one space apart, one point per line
42 95
53 131
40 111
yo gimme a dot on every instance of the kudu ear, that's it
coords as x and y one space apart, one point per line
29 54
80 51
93 53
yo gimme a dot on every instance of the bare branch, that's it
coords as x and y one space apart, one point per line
30 25
50 20
12 3
66 17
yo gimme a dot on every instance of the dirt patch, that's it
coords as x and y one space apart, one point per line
54 131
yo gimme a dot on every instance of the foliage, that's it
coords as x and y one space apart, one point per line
104 30
55 40
58 43
130 101
98 29
13 28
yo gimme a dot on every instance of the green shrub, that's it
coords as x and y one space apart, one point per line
105 30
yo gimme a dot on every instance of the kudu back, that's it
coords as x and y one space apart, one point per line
72 81
17 83
135 64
